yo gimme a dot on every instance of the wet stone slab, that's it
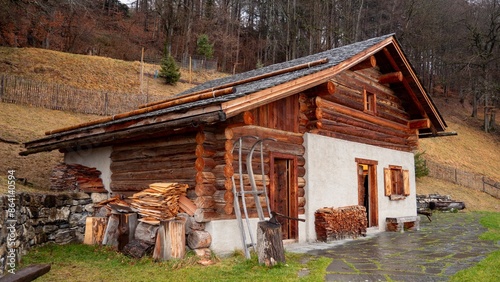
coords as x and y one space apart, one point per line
441 248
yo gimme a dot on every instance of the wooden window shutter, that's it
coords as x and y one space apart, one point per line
406 182
387 181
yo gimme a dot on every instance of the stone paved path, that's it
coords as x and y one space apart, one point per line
440 249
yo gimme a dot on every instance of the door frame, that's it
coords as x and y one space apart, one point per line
293 200
372 190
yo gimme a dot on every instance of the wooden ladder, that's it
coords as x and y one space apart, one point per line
239 192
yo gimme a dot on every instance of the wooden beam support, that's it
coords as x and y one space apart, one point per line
393 77
324 89
103 139
419 123
407 86
368 63
28 273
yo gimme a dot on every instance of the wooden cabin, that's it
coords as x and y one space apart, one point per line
343 125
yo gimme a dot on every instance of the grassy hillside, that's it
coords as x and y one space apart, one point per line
471 149
92 72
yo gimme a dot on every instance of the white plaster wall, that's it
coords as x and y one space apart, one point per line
99 158
226 235
331 178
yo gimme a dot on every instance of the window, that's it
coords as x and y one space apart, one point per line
370 102
397 182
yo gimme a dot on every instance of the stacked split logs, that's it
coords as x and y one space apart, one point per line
159 202
340 223
157 221
75 177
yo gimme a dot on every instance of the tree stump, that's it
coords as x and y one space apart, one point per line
170 240
94 230
270 248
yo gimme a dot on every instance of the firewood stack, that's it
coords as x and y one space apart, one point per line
159 202
146 223
75 177
340 223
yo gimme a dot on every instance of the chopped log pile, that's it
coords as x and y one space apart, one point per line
75 177
159 202
340 223
157 221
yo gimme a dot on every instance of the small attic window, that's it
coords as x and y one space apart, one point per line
370 102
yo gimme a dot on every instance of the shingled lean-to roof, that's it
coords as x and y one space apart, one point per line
220 99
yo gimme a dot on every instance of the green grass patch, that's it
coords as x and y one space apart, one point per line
489 268
76 262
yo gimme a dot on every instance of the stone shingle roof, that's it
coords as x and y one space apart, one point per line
334 56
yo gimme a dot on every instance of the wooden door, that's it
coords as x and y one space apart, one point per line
367 189
283 193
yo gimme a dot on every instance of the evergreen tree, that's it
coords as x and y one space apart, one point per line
421 168
203 47
169 70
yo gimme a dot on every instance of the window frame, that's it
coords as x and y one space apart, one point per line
369 102
396 182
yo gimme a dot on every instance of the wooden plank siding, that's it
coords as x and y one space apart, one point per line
165 159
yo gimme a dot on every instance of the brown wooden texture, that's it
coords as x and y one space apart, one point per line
94 230
270 250
75 177
336 120
136 165
171 240
160 201
112 231
27 274
340 223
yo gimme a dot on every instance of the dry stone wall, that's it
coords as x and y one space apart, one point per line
28 220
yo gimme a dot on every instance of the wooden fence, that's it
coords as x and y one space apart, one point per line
464 178
61 97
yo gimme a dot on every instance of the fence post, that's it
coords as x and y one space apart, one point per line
106 103
2 85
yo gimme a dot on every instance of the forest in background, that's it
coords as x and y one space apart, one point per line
452 44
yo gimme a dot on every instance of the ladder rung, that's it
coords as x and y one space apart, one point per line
250 193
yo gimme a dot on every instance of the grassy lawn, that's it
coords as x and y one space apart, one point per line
77 262
489 268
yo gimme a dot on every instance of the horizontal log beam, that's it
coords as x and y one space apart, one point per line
360 115
106 138
368 63
420 123
393 77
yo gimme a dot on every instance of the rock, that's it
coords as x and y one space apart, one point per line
64 237
61 214
98 197
49 228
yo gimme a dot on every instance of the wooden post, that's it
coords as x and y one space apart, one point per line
171 240
94 230
112 231
270 248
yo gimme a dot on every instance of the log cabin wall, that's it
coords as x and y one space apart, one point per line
164 159
344 115
278 120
